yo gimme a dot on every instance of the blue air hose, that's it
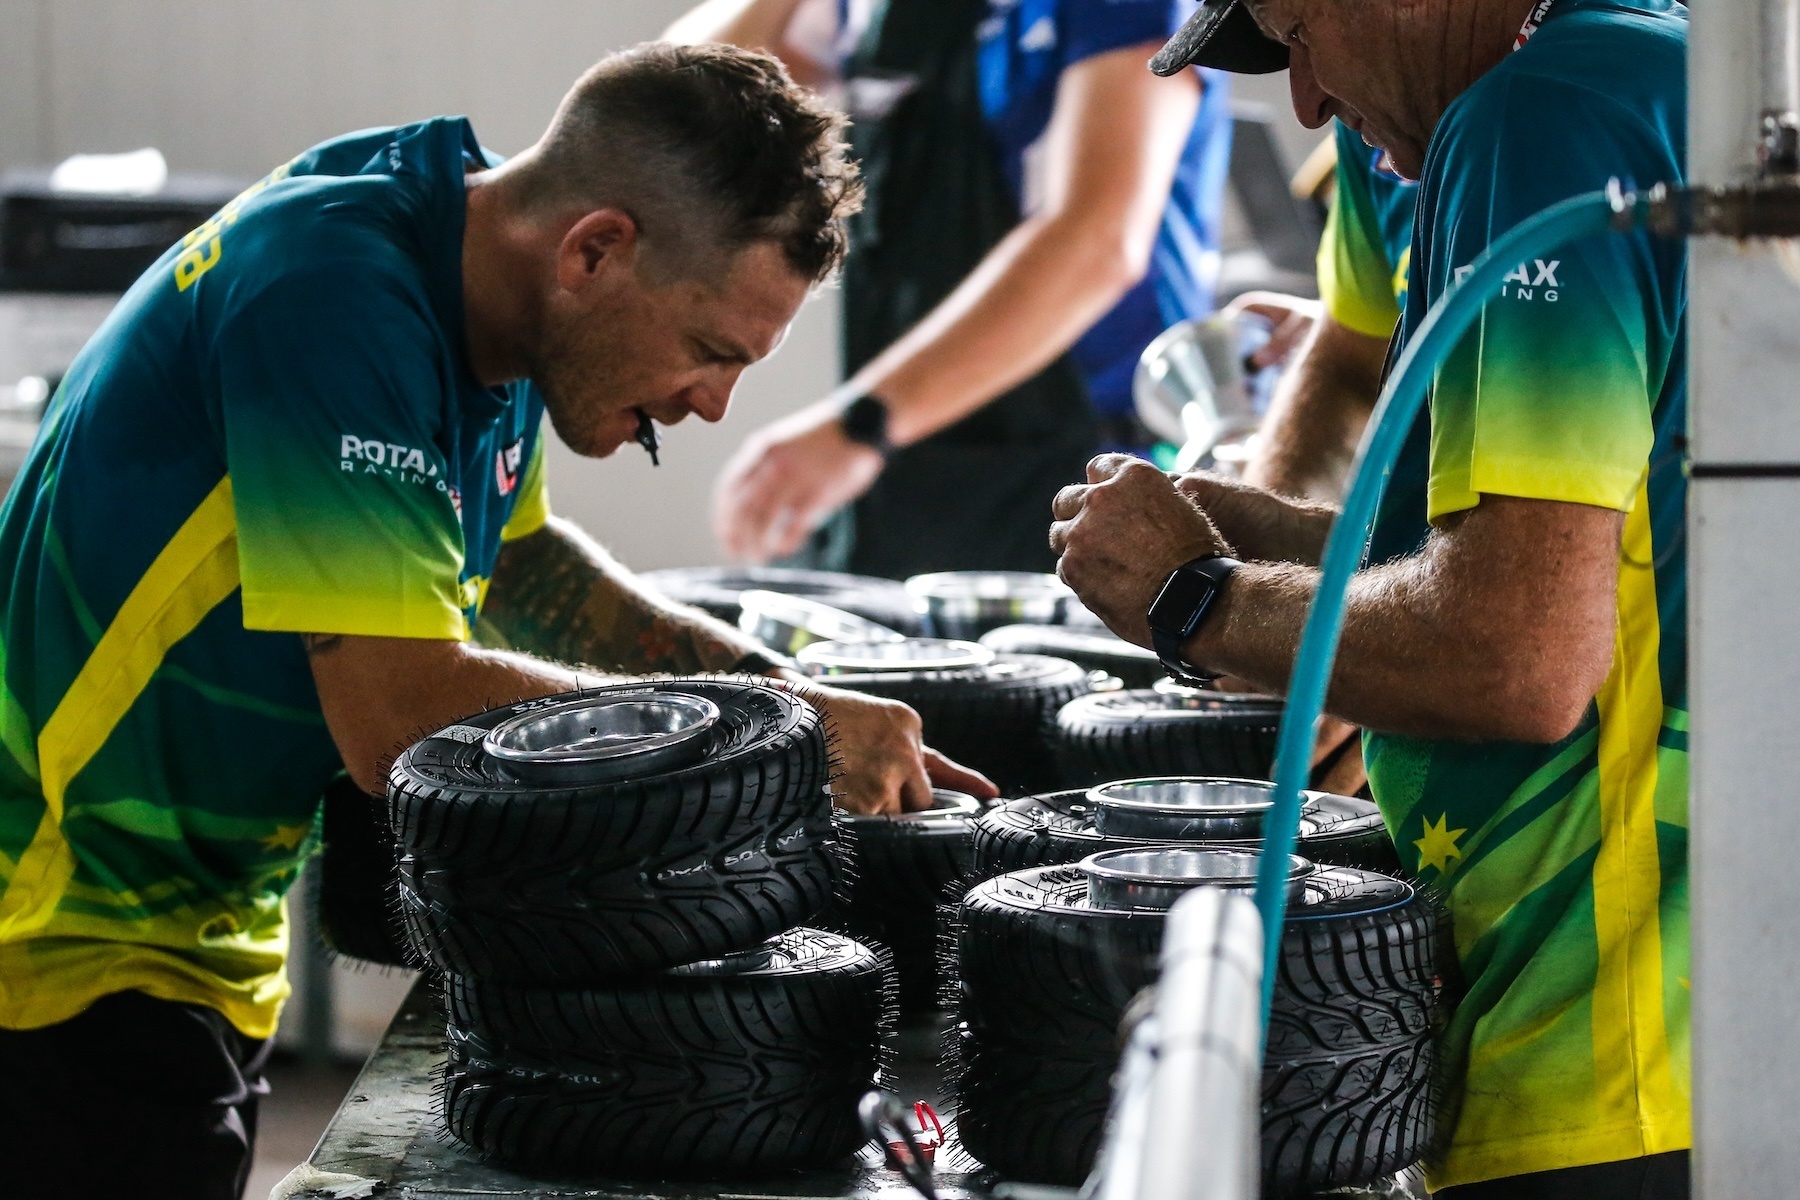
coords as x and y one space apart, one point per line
1579 217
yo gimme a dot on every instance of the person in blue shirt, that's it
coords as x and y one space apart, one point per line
987 362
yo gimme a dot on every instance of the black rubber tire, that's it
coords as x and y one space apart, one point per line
1048 830
1094 649
1347 1084
683 1074
533 885
904 872
716 590
1129 735
995 718
356 896
1032 1113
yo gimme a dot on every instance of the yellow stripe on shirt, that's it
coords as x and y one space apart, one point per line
1631 1044
195 572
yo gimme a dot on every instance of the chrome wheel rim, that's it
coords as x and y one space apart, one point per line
907 654
1155 877
594 739
1181 808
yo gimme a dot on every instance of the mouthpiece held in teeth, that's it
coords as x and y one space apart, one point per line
648 438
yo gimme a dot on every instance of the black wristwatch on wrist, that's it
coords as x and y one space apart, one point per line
865 421
1191 593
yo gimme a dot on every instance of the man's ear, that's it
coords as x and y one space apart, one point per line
601 241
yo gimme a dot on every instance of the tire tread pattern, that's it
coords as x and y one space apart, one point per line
705 1075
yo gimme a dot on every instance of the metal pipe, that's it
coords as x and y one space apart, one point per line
1186 1119
1779 150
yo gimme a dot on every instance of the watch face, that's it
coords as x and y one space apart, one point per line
1181 603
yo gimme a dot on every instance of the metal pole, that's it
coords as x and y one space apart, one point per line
1744 635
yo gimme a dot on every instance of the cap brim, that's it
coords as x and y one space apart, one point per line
1222 35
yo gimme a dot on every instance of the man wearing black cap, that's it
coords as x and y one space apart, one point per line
1516 645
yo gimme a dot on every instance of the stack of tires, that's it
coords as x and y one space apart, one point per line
1049 958
613 884
985 709
908 870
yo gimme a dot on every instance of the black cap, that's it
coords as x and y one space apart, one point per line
1222 35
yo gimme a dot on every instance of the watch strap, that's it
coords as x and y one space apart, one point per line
1216 570
864 421
1168 652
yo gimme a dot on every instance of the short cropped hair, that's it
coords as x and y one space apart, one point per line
709 148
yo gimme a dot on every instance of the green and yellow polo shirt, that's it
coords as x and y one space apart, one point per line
275 432
1367 246
1564 866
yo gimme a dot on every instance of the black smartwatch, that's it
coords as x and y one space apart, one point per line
1182 607
865 422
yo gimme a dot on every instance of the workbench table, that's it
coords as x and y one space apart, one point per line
386 1134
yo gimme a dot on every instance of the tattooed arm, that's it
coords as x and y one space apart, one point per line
557 593
381 693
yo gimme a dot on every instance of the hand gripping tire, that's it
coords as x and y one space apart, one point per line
1347 1082
1129 735
716 590
356 894
993 717
1093 649
906 867
716 1068
1056 828
584 883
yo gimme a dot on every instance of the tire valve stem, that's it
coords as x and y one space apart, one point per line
884 1119
648 438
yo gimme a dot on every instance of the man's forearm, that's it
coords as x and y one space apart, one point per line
381 694
1388 666
1502 631
1113 146
558 594
752 24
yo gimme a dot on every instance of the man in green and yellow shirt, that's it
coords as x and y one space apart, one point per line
1516 645
269 504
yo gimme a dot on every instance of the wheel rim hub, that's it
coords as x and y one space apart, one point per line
1181 808
946 808
969 603
595 739
791 623
1156 877
906 654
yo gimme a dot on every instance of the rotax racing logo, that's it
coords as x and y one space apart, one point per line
1533 281
372 456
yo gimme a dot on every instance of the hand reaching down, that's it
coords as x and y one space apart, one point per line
883 764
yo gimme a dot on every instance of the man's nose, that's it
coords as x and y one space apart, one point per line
1311 105
708 401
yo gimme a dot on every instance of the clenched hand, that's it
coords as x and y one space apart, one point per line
1119 537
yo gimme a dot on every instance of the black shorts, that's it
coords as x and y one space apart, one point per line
1656 1177
134 1097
